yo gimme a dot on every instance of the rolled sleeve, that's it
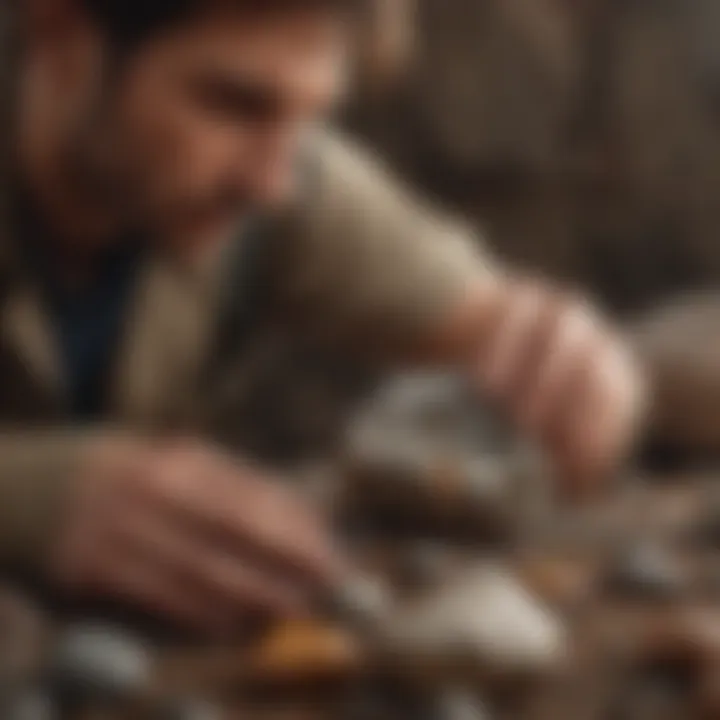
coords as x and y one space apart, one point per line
37 469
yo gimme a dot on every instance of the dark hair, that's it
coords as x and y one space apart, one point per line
130 22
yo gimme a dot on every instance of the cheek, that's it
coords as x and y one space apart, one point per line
179 150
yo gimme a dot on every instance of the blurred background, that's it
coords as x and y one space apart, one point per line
583 136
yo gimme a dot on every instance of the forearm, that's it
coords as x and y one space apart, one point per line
459 330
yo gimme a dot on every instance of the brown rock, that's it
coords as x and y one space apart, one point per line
680 346
300 652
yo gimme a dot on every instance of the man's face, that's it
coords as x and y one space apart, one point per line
208 120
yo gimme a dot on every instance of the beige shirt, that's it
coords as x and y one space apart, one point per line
367 258
359 263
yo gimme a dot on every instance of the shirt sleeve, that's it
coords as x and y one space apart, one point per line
367 261
37 470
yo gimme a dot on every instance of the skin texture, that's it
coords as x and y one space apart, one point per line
198 126
558 369
192 535
192 130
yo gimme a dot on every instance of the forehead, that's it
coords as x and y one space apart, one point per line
301 53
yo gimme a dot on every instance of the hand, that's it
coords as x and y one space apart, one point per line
190 534
563 375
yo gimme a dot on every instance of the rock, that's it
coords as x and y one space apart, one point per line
460 705
563 582
99 664
679 345
420 704
361 601
304 652
422 566
426 458
408 482
22 633
439 408
30 704
707 529
190 709
484 619
646 572
654 694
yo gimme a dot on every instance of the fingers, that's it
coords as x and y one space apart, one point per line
578 417
565 379
132 579
183 577
187 533
601 419
515 334
567 345
236 510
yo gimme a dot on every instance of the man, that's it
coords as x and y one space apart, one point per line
144 136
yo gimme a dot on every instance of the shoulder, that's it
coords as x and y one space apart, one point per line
346 175
365 257
337 156
353 196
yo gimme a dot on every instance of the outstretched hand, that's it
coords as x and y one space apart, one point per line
562 374
192 535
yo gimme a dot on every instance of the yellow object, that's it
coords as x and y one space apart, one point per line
305 650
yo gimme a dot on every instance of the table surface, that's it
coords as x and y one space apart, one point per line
620 643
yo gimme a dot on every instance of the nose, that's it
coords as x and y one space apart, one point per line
270 176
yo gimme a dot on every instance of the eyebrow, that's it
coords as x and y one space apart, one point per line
244 96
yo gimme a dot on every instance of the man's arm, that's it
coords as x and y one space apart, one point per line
372 267
368 264
174 528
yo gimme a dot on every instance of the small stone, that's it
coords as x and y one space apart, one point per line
660 694
646 572
29 704
484 618
488 479
361 600
21 636
99 663
369 703
305 651
708 528
460 705
565 582
419 704
190 709
422 566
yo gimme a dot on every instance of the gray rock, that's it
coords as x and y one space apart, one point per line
646 572
422 566
438 409
30 704
99 662
360 601
191 709
460 705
